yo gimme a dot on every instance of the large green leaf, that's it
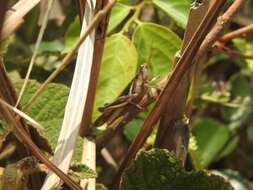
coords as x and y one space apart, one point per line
211 135
119 13
48 110
49 107
159 170
117 70
176 9
159 43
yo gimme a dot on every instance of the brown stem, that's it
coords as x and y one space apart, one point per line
237 33
213 35
169 127
231 52
182 66
80 7
97 58
3 9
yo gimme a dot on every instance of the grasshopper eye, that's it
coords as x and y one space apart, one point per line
144 66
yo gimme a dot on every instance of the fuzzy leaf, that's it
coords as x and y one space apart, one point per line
82 171
48 109
158 169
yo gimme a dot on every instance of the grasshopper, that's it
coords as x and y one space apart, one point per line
131 95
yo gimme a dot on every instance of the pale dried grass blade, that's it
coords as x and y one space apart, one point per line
75 105
89 159
36 49
23 115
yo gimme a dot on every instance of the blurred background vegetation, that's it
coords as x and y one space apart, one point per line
222 117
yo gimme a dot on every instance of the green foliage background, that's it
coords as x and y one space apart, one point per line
223 103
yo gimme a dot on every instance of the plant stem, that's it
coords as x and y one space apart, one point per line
182 66
135 17
237 33
37 45
213 35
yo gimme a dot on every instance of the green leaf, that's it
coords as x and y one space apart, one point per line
117 70
246 48
241 87
194 153
127 2
177 10
50 46
159 170
239 115
159 43
132 128
72 35
241 90
48 110
119 13
49 107
80 171
250 134
211 135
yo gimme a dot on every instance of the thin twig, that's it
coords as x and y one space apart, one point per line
237 33
231 52
213 35
37 45
67 59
